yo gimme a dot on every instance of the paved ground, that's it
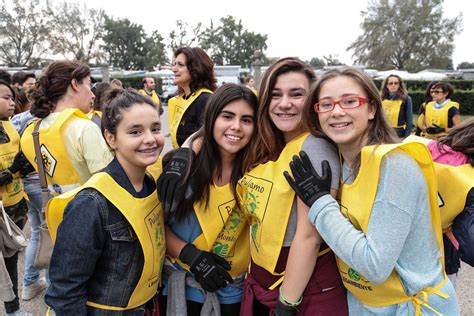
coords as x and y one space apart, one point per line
465 288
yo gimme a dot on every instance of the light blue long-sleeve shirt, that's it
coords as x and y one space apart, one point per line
399 236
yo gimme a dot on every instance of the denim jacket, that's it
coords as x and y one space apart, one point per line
97 256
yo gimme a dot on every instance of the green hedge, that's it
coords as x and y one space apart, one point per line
135 82
463 93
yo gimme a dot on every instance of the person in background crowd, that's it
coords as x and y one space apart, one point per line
421 111
109 247
441 114
397 105
116 84
249 83
149 90
100 90
72 146
194 75
5 76
387 215
208 227
24 80
11 188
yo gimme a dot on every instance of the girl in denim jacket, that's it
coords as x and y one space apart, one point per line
109 246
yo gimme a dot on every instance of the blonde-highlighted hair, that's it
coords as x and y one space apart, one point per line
270 141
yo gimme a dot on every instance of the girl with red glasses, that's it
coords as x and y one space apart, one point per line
385 227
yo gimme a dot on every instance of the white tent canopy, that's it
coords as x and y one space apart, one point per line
405 75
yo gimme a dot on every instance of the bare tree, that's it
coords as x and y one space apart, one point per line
23 32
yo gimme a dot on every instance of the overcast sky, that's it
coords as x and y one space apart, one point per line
295 28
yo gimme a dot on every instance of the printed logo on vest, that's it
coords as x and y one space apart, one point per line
352 277
254 202
49 162
232 220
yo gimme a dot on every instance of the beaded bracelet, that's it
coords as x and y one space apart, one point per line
289 303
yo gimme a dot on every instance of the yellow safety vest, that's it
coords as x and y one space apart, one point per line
12 193
392 111
153 96
60 172
224 229
146 218
267 198
156 168
438 117
177 106
454 183
356 204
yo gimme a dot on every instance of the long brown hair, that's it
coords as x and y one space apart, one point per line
53 85
208 162
270 141
401 92
200 67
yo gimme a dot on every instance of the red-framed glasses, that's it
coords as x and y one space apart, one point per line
350 102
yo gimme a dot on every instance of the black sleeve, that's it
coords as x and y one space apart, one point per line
192 119
452 113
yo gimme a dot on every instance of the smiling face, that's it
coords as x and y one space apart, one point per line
182 77
234 127
346 127
287 101
138 140
7 102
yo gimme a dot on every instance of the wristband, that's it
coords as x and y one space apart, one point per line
287 302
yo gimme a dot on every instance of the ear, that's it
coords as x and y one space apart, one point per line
110 139
372 109
74 85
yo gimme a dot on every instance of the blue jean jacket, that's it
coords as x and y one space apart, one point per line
97 256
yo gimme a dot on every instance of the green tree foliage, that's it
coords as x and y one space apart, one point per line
23 32
229 43
406 34
466 65
128 46
185 35
317 63
76 31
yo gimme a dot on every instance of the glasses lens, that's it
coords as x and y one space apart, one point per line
350 102
436 91
394 83
325 105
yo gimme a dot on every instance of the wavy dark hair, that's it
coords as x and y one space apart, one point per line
461 139
270 141
53 85
402 89
200 67
100 93
208 162
117 101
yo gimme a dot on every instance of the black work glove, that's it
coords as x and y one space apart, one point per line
284 310
435 129
209 269
307 183
6 177
170 184
20 163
